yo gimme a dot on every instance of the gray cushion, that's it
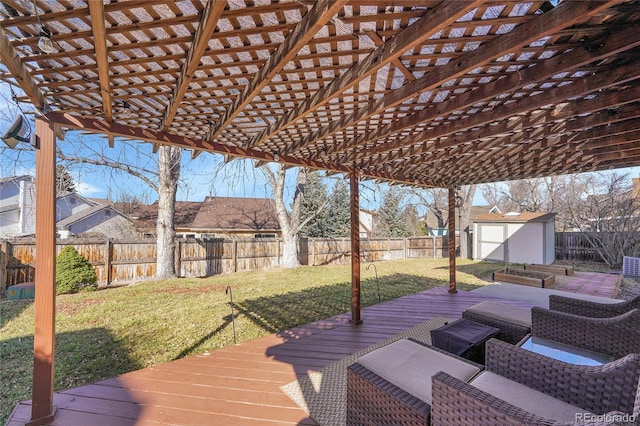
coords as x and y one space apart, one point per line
410 366
502 311
524 397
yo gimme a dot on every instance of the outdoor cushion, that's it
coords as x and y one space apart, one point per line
409 366
503 311
524 397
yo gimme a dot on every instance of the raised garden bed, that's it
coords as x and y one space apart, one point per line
520 276
552 269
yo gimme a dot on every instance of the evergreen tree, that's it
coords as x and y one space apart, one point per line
391 220
338 214
315 195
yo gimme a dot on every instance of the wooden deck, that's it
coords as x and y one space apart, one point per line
239 385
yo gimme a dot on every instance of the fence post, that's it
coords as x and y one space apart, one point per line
108 257
3 268
234 255
433 245
313 252
404 250
178 258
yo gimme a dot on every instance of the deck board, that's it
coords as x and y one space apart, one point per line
239 384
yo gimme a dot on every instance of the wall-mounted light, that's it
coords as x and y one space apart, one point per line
18 132
45 43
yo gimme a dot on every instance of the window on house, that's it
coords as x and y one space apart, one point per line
264 236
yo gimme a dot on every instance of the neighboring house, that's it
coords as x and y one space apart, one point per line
367 219
515 237
215 217
17 206
75 215
234 217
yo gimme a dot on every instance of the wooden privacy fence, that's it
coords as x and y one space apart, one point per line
575 246
120 262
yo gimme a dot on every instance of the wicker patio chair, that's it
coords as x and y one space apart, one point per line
616 336
374 400
514 322
609 391
588 308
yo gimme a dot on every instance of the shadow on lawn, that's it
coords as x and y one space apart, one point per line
82 357
9 309
278 313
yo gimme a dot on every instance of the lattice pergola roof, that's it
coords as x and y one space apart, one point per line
436 93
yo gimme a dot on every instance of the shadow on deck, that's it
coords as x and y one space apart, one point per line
239 384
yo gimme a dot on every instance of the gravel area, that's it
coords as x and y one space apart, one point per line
630 288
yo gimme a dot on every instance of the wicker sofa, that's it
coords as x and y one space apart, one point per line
588 308
392 385
616 336
519 387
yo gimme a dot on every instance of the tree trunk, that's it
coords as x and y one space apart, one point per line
169 172
465 221
289 222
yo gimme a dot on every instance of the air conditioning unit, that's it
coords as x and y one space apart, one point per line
631 266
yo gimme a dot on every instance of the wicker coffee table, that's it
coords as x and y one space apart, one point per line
464 338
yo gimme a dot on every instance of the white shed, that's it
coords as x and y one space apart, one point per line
515 237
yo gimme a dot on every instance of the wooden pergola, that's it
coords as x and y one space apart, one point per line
421 92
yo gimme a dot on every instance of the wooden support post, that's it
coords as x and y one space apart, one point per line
42 411
452 241
355 250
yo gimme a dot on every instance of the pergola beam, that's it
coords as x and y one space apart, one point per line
430 23
10 59
615 43
305 30
417 143
96 10
562 16
207 26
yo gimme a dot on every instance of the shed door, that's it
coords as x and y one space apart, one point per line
491 241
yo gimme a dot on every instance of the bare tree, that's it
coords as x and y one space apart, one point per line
290 219
465 195
608 216
436 200
160 173
526 195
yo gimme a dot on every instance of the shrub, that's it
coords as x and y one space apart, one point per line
74 272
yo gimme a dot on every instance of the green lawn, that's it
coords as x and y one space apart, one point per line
105 333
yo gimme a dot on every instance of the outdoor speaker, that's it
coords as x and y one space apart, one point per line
18 132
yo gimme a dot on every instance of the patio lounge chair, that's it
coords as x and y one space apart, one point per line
588 308
392 384
616 336
520 387
514 322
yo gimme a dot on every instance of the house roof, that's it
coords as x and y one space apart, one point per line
84 213
147 214
15 179
231 213
432 93
514 217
